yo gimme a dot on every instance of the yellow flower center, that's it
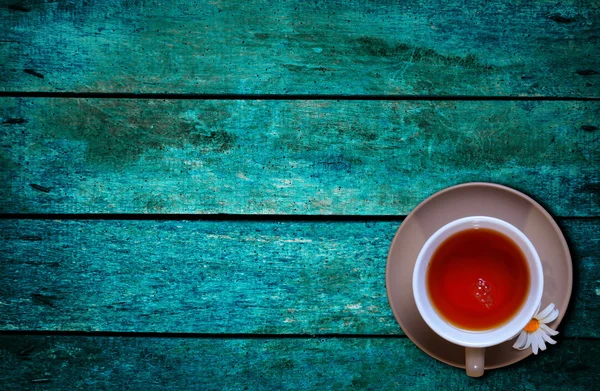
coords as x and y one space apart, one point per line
533 325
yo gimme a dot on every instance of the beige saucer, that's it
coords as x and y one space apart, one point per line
485 199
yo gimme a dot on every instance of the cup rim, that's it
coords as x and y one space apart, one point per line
497 335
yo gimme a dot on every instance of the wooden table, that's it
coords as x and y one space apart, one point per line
202 194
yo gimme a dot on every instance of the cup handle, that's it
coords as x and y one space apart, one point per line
474 361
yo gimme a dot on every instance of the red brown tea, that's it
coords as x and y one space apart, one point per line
478 279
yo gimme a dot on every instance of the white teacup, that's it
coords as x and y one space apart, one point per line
475 342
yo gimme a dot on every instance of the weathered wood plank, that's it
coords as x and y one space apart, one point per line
317 47
56 363
290 157
224 276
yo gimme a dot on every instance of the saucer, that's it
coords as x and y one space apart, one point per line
469 199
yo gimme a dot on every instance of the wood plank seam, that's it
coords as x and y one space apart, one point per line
138 334
224 217
307 97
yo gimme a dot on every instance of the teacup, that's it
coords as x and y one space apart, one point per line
475 341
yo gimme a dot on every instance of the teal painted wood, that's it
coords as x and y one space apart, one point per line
318 47
290 157
56 363
224 276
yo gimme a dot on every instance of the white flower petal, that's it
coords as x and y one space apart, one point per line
545 312
521 340
540 339
548 339
534 343
553 315
548 330
529 341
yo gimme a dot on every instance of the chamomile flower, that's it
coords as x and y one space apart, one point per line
537 333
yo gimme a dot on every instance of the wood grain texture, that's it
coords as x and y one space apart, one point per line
303 47
290 157
56 363
224 277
